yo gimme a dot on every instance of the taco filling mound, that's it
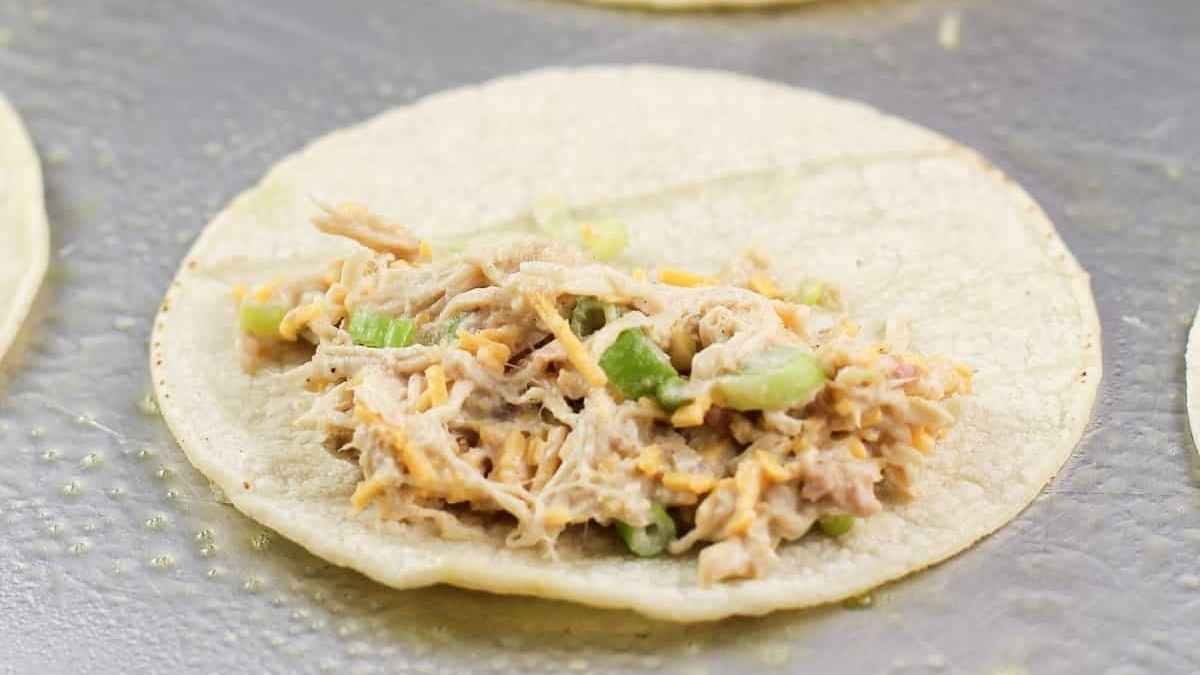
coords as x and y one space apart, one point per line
678 341
526 386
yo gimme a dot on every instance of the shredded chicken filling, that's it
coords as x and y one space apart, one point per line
499 409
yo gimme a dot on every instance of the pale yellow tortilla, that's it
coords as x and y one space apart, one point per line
679 5
24 233
1192 376
699 164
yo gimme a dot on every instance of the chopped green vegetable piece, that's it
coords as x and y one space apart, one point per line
652 539
835 525
604 239
368 328
262 321
399 333
635 365
452 328
782 379
811 292
670 394
590 315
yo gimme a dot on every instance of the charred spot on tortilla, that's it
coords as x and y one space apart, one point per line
569 393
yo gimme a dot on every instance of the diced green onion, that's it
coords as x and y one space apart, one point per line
399 333
652 539
261 321
604 239
815 293
590 315
835 525
781 380
370 329
670 394
635 365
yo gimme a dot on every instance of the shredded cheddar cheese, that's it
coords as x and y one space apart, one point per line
298 318
511 456
365 493
762 284
771 467
688 482
692 414
264 292
239 292
748 481
678 277
649 461
435 378
577 354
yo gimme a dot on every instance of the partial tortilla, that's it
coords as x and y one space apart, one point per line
24 232
683 5
1192 375
698 163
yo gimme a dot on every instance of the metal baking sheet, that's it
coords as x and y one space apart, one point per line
116 557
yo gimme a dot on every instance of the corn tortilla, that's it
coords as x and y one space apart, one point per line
910 224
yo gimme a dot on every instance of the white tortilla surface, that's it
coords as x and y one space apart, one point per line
684 5
699 164
24 233
1192 375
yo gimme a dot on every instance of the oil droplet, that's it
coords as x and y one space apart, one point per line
72 489
212 573
115 493
91 460
54 529
205 534
252 585
145 453
50 455
170 495
261 541
79 548
162 473
156 522
162 562
864 601
208 550
37 432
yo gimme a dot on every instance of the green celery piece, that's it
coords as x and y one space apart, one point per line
399 332
652 539
670 394
604 239
781 380
835 525
369 329
635 365
590 315
261 321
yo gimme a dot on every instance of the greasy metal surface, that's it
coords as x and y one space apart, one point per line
115 556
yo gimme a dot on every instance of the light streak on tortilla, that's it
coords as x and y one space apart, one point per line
909 224
24 232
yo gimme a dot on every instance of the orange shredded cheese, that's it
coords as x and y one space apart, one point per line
298 318
678 277
692 414
649 461
365 493
577 354
762 284
697 483
435 379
